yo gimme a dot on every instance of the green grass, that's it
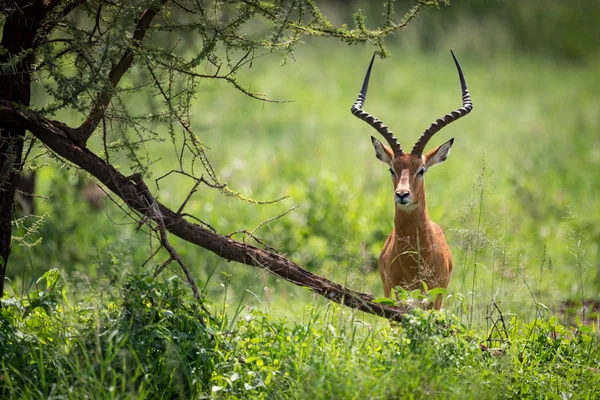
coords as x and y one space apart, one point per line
517 200
149 339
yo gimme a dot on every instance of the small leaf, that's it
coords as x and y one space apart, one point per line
384 300
268 379
586 338
436 291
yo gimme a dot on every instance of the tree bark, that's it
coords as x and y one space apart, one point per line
23 20
20 35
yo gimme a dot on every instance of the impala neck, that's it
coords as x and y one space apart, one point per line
414 223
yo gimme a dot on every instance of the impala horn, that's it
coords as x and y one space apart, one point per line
448 118
371 120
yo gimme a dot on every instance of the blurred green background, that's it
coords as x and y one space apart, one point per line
517 197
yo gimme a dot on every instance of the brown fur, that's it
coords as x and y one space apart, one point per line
416 250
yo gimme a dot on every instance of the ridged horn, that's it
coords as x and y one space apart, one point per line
448 118
371 120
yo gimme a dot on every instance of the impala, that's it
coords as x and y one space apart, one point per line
416 250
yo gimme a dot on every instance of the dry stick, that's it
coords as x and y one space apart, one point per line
154 253
257 239
230 80
185 125
189 196
26 156
155 214
272 219
176 171
163 177
252 236
97 24
54 20
173 255
199 221
501 319
57 137
163 266
503 334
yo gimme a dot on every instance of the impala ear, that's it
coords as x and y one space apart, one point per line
382 152
438 155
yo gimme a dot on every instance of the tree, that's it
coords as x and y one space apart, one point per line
79 51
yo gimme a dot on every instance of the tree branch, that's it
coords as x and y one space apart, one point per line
49 26
98 108
56 136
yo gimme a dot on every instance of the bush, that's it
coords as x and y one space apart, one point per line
154 341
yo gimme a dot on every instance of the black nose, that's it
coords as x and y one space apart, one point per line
402 196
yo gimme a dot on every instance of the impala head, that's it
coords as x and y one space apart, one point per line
408 169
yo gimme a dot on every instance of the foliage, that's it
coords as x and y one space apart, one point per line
149 339
556 30
324 163
79 56
84 58
521 219
154 340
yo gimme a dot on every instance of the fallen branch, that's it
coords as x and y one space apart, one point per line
58 138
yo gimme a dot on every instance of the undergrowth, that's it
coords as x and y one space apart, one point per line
148 338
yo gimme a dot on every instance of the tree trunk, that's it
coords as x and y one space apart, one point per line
20 29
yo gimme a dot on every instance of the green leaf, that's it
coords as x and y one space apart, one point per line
384 300
436 291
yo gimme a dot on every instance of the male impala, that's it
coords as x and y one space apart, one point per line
416 250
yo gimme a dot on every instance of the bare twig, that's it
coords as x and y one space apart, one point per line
199 221
230 79
501 318
54 20
163 266
272 219
26 156
498 327
252 236
154 253
155 214
189 196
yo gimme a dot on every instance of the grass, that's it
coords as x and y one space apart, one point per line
516 198
149 339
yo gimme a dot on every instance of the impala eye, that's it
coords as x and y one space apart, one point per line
392 172
421 171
